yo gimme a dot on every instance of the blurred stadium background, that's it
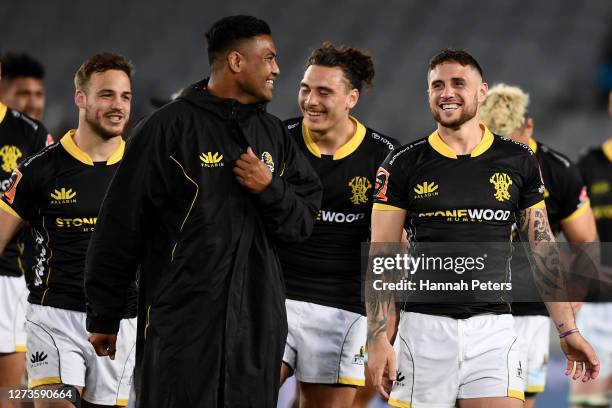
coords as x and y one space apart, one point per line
558 51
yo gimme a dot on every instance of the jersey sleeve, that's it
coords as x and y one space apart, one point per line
391 182
42 138
19 199
532 192
574 198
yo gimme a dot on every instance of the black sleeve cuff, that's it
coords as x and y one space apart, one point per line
273 193
103 325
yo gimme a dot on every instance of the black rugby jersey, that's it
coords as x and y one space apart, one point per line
467 198
20 137
596 170
59 192
326 269
565 196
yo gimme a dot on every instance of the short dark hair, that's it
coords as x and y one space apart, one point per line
358 67
101 62
226 32
458 56
20 64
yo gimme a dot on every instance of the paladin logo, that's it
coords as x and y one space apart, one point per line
63 196
9 155
358 358
212 160
426 189
501 182
360 187
37 359
267 159
399 382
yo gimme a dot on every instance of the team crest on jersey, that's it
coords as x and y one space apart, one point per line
9 155
267 159
211 160
501 182
380 187
426 189
359 186
63 196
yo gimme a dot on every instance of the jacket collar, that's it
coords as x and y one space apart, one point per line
198 95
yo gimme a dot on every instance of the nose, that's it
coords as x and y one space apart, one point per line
275 68
447 92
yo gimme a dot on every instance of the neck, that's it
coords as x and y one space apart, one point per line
332 139
97 148
524 139
464 139
221 86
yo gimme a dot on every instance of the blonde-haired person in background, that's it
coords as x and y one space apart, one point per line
504 111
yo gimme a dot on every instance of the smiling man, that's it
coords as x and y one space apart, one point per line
22 87
58 192
463 354
210 185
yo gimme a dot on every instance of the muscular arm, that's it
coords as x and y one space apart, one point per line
387 227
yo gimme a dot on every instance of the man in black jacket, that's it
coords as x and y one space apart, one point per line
209 185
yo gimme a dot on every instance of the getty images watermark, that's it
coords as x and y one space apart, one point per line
458 272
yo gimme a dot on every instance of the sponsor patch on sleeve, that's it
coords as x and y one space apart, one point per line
12 187
380 187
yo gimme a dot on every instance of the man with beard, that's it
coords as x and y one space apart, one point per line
22 87
441 188
210 184
58 192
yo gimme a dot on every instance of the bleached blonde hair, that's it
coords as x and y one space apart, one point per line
503 111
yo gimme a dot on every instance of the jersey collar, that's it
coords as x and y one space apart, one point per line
533 145
3 110
436 142
67 142
344 150
607 149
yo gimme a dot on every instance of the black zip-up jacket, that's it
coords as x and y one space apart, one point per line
212 322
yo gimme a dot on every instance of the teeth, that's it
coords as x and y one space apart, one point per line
315 113
447 106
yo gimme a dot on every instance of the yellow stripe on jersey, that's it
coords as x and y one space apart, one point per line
535 388
541 204
345 150
607 149
579 211
67 142
445 150
122 402
385 207
20 348
3 109
7 208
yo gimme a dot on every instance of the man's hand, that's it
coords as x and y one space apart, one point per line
104 344
382 367
252 173
579 352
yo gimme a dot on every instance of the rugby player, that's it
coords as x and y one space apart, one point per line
325 312
210 185
594 318
58 191
22 87
450 353
20 136
504 112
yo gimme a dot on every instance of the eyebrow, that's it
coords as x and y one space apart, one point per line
453 79
320 88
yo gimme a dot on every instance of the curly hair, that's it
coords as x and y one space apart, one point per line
357 66
504 109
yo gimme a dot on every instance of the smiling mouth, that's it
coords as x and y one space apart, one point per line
449 106
114 118
270 82
313 114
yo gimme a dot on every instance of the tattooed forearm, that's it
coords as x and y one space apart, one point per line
378 304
